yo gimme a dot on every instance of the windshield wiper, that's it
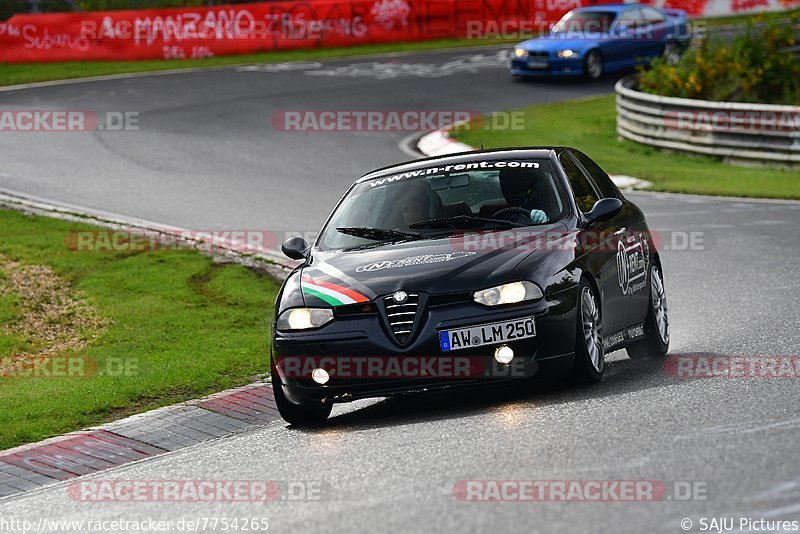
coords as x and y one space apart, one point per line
453 221
379 234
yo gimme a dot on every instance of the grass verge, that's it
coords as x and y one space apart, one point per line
590 125
765 16
21 73
178 327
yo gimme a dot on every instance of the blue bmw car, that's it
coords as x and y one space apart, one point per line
592 40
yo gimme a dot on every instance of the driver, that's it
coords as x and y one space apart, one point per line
519 189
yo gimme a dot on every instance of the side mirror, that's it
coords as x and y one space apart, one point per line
295 248
604 210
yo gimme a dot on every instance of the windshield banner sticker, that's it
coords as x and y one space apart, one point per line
458 167
411 261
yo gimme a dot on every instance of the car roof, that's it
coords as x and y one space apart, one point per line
611 8
466 157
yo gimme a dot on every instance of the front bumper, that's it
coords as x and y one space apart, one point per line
353 340
556 67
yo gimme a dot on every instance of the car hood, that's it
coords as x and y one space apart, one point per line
556 43
465 263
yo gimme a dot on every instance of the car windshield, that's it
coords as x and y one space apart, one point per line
580 23
439 201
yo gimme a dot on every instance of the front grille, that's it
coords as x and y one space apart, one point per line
538 55
401 315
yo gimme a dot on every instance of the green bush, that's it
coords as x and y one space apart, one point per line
753 67
12 7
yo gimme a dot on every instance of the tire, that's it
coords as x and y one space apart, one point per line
593 65
672 52
300 415
656 325
590 363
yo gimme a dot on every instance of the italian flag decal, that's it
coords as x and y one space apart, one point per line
333 294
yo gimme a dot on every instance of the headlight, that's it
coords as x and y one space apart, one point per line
566 53
508 294
304 318
520 52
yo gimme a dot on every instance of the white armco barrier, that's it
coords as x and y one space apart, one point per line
755 134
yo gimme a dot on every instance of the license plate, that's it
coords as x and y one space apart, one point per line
537 64
487 334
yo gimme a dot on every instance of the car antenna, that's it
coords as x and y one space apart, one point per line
481 144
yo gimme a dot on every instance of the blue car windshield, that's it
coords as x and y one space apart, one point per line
582 23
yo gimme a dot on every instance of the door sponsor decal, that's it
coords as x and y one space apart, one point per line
633 255
629 334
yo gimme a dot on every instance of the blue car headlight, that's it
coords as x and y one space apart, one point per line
567 53
520 52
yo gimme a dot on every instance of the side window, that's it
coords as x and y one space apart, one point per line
631 18
585 195
599 177
653 16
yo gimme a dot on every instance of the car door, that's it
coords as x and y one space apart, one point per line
657 26
604 237
626 30
633 244
615 49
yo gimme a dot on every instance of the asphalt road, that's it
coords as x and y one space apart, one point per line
206 155
206 158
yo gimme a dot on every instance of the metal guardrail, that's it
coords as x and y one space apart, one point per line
755 134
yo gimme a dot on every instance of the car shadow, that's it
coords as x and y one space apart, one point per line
606 80
622 376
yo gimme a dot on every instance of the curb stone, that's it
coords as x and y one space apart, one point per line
34 466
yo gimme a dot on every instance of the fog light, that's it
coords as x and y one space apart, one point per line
320 376
504 354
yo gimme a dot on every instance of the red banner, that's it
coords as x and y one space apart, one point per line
204 32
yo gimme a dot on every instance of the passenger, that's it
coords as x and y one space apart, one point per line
415 200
